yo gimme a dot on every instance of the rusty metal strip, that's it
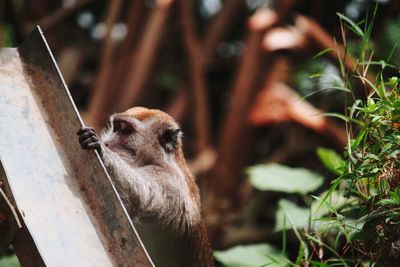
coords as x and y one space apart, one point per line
64 195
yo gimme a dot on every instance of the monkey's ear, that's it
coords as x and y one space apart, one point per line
170 138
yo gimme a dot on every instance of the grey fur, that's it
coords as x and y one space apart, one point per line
149 180
142 150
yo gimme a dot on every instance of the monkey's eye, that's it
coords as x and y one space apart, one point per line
123 126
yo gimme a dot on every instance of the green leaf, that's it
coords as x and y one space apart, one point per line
331 160
395 196
9 261
381 63
353 26
356 142
377 91
251 256
342 117
328 201
387 202
275 177
337 115
323 52
299 216
326 195
393 81
8 33
382 88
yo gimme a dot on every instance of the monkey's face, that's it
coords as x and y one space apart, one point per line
143 136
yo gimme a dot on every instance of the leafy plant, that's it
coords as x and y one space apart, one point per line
356 222
251 255
370 174
9 261
289 216
275 177
331 160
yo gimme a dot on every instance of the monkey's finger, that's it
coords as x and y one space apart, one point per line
84 129
81 130
88 140
94 145
86 135
84 144
85 141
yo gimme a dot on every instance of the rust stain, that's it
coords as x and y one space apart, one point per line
32 66
62 132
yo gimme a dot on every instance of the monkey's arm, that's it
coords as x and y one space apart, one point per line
145 190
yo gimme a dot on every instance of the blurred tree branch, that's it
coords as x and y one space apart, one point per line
241 98
219 27
143 59
215 32
232 138
103 92
323 40
177 108
196 69
51 20
134 22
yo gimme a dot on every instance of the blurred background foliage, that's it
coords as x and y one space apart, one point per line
243 80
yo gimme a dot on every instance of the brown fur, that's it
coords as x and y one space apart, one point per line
142 150
142 114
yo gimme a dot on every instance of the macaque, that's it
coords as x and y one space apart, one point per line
142 151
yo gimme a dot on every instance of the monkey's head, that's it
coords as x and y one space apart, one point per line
144 135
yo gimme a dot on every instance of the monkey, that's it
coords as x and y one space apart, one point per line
142 151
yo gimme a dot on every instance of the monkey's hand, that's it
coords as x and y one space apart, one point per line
89 139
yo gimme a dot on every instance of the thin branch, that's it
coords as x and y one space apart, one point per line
284 38
220 26
102 91
323 40
317 35
196 66
177 108
203 162
123 60
57 16
136 9
143 59
134 18
278 103
243 91
215 33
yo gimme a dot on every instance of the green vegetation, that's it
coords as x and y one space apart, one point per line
356 221
326 207
9 261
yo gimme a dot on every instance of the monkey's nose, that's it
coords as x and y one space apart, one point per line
106 144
